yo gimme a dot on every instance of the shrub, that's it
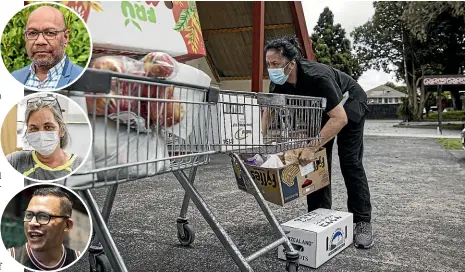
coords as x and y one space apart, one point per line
405 110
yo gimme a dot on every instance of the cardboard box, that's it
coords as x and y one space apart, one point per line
283 185
319 235
143 26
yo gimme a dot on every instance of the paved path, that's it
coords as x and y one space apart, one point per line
385 128
418 196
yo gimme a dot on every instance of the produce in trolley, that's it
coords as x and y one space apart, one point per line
154 64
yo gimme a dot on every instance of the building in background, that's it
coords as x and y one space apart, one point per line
384 95
383 102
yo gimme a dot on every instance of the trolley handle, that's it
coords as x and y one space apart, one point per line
99 81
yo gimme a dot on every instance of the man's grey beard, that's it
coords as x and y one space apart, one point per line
51 63
48 64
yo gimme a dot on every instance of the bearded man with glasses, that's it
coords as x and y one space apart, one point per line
46 221
46 38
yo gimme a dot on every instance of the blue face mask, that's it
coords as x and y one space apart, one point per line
277 75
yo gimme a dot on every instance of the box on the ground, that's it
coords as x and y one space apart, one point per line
319 235
283 185
142 27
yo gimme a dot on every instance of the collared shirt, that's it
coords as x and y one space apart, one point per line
53 76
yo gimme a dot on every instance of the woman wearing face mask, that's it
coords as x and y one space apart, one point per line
344 117
48 136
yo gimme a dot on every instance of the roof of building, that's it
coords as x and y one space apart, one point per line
384 91
228 34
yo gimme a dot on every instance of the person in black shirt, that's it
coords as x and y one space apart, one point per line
344 117
46 220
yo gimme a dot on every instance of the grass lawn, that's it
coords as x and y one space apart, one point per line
451 144
446 126
446 116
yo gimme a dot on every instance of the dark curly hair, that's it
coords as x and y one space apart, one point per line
289 47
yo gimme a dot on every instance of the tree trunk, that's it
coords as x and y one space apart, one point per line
456 99
407 82
423 96
415 91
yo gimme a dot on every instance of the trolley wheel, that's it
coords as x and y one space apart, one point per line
188 237
102 264
292 267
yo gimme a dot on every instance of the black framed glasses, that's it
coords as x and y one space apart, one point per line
47 100
41 217
47 34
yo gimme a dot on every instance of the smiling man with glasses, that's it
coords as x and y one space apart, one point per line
46 221
46 37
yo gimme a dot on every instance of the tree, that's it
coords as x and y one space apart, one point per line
402 89
331 46
442 26
386 43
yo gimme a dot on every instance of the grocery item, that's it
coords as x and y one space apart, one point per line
292 156
273 162
256 160
117 146
157 64
154 64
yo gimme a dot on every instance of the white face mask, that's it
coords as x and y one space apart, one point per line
44 142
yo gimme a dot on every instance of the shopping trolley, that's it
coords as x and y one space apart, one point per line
291 122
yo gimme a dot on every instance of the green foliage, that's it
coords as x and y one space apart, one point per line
379 42
331 46
451 144
13 45
446 116
402 89
405 110
412 39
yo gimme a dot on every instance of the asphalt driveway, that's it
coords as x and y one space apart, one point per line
418 196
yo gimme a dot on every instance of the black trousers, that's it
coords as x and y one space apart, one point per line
350 150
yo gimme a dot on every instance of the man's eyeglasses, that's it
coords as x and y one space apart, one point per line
41 217
47 100
47 34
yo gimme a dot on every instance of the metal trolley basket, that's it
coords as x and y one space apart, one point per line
290 122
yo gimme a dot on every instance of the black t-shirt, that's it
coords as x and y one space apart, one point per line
320 80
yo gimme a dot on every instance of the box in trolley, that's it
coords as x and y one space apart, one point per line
319 235
285 184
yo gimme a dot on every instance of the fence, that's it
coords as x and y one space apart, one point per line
382 111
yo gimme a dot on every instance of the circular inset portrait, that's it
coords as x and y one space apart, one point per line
46 227
46 136
46 46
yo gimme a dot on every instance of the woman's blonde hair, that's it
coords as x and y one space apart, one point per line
40 104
